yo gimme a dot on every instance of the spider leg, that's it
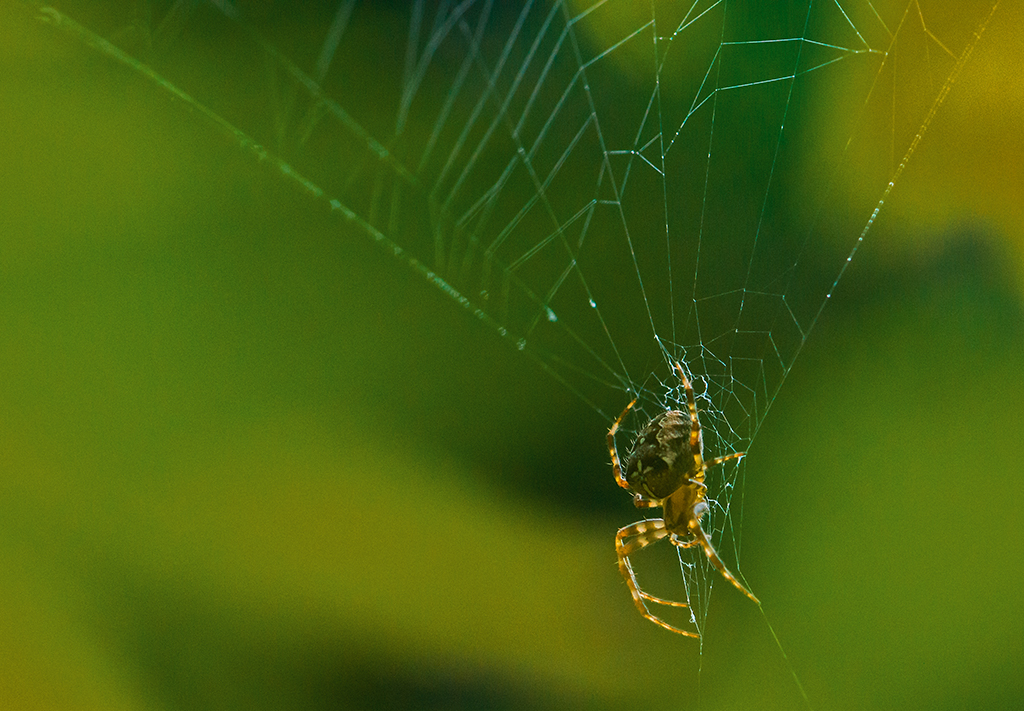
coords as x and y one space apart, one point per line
643 502
620 478
691 404
679 543
726 458
709 551
644 533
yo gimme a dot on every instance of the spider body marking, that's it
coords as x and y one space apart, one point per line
666 468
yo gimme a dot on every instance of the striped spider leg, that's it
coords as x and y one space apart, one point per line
666 469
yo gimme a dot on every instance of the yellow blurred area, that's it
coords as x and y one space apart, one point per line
969 169
976 134
281 536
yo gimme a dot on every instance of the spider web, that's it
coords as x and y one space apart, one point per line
610 186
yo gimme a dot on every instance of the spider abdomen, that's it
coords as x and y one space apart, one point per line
661 460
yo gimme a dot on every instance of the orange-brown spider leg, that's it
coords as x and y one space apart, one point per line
646 533
680 543
695 445
620 478
691 404
726 458
709 551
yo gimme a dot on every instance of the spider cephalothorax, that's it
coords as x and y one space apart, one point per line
666 468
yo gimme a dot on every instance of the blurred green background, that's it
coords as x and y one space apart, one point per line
249 462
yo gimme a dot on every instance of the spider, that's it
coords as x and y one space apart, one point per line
666 468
